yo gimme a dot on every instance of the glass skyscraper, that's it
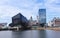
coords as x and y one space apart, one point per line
42 16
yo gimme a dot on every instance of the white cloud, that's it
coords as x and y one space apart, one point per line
6 12
9 8
53 9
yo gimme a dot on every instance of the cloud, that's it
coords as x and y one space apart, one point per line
9 8
6 12
53 9
28 8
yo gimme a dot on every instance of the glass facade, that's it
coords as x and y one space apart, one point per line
42 16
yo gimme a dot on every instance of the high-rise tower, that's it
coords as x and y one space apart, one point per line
42 16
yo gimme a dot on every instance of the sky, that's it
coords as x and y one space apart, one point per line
28 8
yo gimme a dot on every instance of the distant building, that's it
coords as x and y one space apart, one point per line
50 23
55 22
35 23
31 21
42 16
37 19
3 24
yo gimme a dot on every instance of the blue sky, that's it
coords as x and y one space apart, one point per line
28 8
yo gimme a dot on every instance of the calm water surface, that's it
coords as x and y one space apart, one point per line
30 34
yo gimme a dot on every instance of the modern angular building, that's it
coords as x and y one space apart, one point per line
19 20
42 16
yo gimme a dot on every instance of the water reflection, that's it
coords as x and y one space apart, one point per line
5 34
53 34
21 34
42 34
29 34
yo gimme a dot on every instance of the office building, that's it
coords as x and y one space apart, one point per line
19 20
42 16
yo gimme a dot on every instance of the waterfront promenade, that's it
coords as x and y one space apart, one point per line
47 28
33 28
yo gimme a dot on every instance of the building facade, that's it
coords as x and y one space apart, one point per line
42 16
56 22
19 20
3 24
